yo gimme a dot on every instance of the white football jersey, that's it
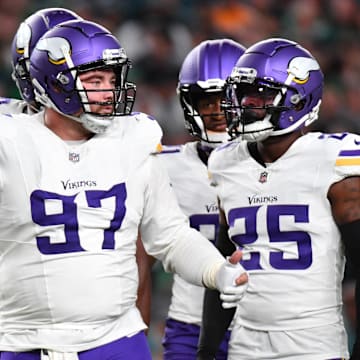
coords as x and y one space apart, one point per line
189 178
70 215
12 106
281 217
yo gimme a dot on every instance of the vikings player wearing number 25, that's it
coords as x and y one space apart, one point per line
78 182
291 201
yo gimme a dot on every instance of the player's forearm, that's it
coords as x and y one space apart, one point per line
215 322
194 258
349 233
215 319
223 243
145 263
355 353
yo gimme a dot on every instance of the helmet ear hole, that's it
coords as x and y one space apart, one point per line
62 83
56 86
300 105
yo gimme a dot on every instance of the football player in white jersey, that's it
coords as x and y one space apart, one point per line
27 34
77 183
201 88
291 201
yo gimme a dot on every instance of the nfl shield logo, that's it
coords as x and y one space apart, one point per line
263 177
74 157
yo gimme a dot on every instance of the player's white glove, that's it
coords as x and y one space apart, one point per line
230 292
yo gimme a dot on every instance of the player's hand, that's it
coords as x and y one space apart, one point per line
232 281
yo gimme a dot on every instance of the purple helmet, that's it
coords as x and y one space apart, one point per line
28 33
204 72
283 69
65 52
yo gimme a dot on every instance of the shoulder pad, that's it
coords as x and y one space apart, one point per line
226 146
4 100
142 116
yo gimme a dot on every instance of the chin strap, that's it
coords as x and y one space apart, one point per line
92 123
216 138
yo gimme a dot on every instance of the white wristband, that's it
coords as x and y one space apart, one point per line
209 275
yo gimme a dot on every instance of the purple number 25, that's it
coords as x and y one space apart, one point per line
69 217
300 214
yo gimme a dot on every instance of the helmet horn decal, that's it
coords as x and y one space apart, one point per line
23 37
57 49
300 68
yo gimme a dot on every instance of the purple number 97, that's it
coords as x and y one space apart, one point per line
68 217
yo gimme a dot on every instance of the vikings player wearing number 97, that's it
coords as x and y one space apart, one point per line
23 44
78 182
291 201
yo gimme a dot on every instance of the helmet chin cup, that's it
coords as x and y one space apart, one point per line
92 123
217 136
214 139
256 131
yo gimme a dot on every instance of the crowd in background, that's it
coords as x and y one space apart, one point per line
157 34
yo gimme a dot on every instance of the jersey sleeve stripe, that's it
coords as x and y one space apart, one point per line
348 157
347 162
